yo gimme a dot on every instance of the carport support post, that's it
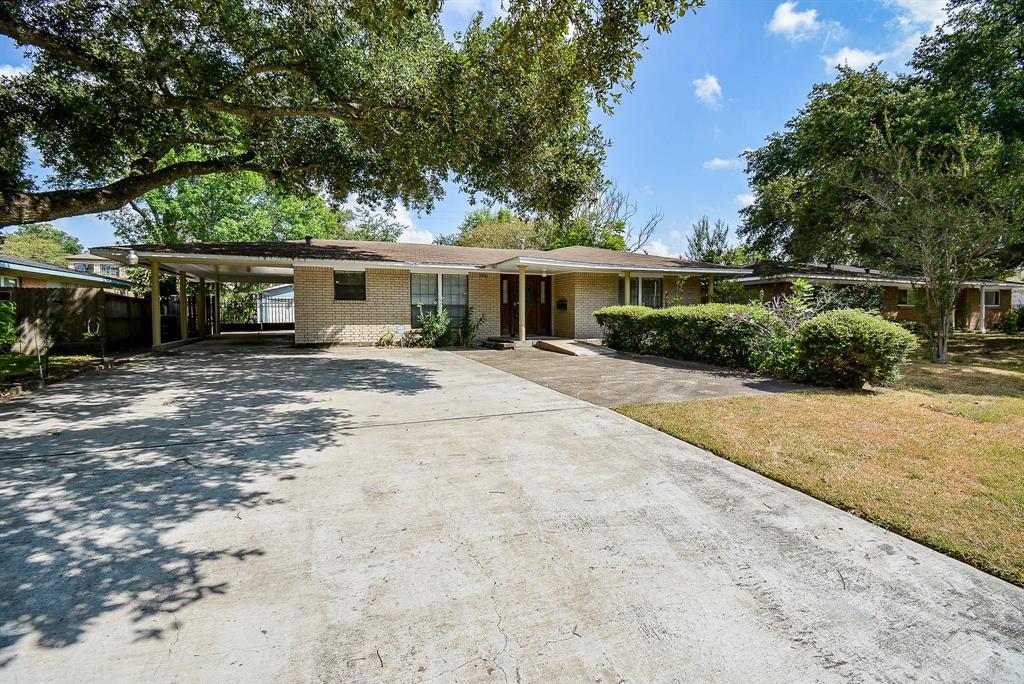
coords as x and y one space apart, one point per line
216 309
154 301
625 293
711 287
522 303
201 309
183 304
982 307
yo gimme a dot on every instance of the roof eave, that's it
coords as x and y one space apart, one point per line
588 266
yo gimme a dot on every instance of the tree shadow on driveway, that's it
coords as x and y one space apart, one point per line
96 472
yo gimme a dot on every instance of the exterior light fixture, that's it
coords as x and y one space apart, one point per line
132 258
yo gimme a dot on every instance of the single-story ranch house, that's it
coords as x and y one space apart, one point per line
980 306
349 292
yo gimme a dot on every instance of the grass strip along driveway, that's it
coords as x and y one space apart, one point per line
939 458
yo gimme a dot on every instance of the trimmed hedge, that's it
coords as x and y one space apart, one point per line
847 348
722 334
843 348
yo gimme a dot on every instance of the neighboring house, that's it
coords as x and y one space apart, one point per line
96 265
18 272
348 292
1017 301
979 307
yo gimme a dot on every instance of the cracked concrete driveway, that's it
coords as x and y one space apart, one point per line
272 514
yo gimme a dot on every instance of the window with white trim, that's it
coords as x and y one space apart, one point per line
902 297
991 297
454 294
643 291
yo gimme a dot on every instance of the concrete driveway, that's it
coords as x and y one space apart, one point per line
363 515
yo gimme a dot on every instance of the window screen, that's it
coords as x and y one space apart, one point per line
350 285
423 289
455 296
650 290
991 297
903 297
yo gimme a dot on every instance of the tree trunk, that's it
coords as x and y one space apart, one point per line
940 347
32 207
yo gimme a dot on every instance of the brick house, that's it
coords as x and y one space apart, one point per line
979 307
349 292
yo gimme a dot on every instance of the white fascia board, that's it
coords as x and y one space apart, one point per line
584 266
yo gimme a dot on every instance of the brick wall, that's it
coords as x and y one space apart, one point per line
563 286
485 299
319 319
682 290
592 292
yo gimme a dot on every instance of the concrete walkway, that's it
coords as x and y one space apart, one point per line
223 514
620 379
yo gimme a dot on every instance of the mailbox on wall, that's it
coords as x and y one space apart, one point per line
562 305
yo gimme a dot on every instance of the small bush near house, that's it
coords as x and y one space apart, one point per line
625 327
1012 321
843 348
731 292
847 348
468 328
387 337
435 327
723 334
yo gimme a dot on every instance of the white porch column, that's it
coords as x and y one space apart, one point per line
216 309
183 305
711 286
522 303
625 290
154 301
201 309
982 323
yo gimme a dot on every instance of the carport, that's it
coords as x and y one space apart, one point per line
204 269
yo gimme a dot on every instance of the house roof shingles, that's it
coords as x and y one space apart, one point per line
768 270
407 253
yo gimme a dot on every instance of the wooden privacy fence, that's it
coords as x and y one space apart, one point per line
80 317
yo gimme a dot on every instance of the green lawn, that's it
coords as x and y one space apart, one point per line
939 458
17 366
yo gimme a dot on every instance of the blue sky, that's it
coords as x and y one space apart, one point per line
723 80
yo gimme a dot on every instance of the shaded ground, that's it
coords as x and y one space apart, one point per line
272 514
627 378
939 458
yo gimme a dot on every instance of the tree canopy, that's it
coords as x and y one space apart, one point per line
811 179
41 242
241 207
341 97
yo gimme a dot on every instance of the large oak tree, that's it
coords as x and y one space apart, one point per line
341 97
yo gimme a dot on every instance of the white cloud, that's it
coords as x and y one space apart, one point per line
745 199
657 248
788 22
854 58
919 14
708 90
719 163
410 233
7 70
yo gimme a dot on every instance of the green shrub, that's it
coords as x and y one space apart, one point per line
722 334
625 327
847 348
435 328
1012 321
8 325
